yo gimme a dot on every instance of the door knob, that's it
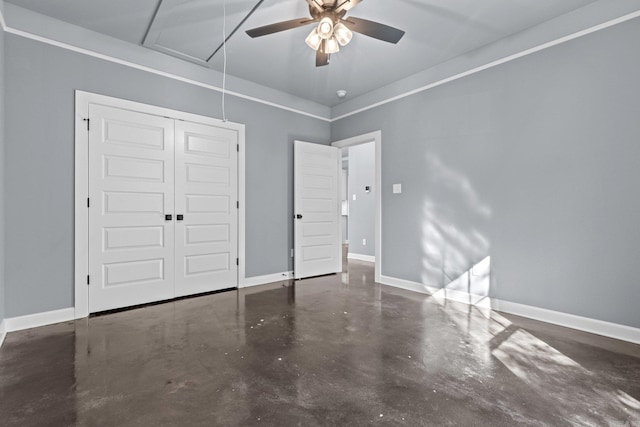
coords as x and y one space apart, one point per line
179 217
298 216
168 217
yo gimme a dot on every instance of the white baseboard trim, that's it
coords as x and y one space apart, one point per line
39 319
3 332
263 280
585 324
463 297
359 257
594 326
408 285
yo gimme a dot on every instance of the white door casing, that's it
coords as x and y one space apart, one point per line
206 208
131 188
317 209
83 100
376 138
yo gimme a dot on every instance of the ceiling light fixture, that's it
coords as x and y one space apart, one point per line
331 45
314 40
327 37
342 34
332 28
325 27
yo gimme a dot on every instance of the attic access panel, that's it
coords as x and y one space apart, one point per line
192 29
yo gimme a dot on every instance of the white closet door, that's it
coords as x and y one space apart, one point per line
317 210
131 189
206 176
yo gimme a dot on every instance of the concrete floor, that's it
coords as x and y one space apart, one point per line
335 350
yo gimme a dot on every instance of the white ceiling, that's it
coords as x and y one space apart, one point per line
436 30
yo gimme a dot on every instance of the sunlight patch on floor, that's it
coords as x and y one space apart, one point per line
548 371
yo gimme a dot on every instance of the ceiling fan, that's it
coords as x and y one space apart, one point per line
333 29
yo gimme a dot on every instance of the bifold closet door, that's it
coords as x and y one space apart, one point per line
206 196
131 190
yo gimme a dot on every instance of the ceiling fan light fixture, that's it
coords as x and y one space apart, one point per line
331 45
314 40
331 29
325 27
342 34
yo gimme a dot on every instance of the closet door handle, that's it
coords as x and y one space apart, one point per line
168 217
179 217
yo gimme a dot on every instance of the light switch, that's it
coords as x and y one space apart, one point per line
354 197
397 188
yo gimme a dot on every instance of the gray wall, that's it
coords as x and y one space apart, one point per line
2 131
362 172
535 163
40 84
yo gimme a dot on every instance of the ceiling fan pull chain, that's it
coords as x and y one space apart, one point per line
224 57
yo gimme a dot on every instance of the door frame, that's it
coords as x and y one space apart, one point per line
81 183
376 138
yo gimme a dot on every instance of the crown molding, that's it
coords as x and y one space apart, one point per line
589 19
581 22
25 23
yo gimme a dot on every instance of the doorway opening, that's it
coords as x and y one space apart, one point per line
362 210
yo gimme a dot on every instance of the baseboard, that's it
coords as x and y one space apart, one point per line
585 324
3 332
359 257
594 326
463 297
408 285
262 280
19 323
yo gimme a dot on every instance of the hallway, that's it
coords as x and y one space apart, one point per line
333 350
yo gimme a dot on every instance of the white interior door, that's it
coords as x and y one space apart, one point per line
317 210
131 189
206 208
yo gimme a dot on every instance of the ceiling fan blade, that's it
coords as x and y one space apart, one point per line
322 58
346 5
373 29
279 26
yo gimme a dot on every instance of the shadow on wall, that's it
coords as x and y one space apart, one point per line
454 233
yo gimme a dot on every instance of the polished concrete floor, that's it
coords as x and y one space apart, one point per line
335 350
